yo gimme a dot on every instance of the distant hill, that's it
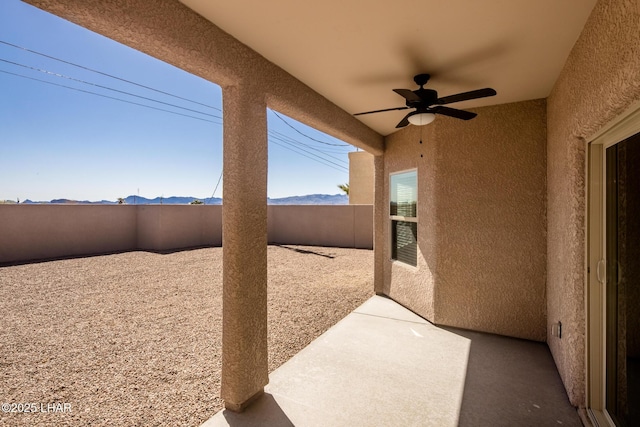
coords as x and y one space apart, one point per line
173 200
68 202
310 199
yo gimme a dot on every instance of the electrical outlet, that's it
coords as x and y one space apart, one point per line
556 330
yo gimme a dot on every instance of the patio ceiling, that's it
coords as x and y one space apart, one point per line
354 52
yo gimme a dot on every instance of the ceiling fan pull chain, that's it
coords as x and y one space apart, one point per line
421 137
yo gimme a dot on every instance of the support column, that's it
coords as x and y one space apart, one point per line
244 248
380 215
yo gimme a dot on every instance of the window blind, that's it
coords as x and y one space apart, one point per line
405 242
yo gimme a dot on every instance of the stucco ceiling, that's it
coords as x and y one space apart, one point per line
354 52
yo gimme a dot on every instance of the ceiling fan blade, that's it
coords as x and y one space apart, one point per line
408 95
452 112
465 96
381 111
405 121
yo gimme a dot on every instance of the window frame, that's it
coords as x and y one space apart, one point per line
396 218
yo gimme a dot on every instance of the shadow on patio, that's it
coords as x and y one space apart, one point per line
384 365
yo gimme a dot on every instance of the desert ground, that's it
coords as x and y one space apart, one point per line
134 339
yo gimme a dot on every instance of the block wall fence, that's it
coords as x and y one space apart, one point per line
38 232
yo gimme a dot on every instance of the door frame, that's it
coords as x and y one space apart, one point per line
619 129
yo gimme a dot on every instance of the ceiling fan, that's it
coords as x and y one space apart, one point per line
427 103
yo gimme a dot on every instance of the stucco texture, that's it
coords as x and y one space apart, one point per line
411 286
361 178
600 80
481 220
244 245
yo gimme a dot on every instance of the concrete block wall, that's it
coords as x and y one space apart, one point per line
348 226
164 227
35 232
31 232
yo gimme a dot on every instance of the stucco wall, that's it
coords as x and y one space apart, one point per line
411 286
600 79
183 226
31 232
481 220
349 226
360 178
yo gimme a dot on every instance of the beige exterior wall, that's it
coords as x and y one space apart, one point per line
32 232
380 212
414 287
361 178
164 227
600 79
481 220
340 226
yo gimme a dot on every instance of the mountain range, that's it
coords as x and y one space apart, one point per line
310 199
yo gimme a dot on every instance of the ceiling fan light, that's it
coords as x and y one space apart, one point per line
421 119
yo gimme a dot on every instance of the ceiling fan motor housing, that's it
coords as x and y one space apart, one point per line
427 97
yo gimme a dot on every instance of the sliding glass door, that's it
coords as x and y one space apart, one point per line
622 283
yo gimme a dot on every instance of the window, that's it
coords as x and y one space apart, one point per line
404 218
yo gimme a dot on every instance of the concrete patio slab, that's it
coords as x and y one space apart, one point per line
382 365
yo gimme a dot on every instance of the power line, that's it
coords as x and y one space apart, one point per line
313 154
321 160
310 153
303 155
106 87
305 135
107 74
295 141
290 142
214 190
282 137
320 150
106 96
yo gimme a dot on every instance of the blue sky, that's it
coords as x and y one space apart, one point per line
57 142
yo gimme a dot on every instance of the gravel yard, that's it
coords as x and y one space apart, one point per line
134 339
